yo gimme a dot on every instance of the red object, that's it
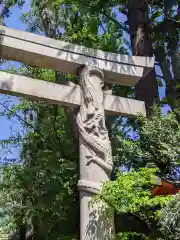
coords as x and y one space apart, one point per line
165 188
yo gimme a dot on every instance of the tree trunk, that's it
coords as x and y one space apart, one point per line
22 227
146 89
35 234
22 232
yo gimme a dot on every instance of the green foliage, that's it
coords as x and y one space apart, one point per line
130 192
170 218
152 149
130 235
6 5
155 143
42 190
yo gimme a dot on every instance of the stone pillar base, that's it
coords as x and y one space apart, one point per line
96 224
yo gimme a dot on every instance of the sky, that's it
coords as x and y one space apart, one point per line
9 126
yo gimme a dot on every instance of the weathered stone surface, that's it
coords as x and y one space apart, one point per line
69 96
65 57
95 155
22 86
123 106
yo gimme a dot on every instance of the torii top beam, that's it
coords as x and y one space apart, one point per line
68 58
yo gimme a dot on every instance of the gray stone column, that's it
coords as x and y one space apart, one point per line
95 156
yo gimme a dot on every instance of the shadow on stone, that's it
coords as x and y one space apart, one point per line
100 225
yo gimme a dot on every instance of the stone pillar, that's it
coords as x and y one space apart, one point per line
95 156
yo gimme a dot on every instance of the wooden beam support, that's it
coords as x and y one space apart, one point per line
70 96
68 58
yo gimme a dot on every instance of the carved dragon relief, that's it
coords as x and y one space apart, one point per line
91 119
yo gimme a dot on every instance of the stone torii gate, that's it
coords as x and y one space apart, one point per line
94 67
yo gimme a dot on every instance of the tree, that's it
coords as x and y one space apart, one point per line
154 31
138 19
6 8
130 194
169 219
155 143
165 37
43 185
152 149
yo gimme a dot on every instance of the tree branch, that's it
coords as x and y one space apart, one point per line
119 24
